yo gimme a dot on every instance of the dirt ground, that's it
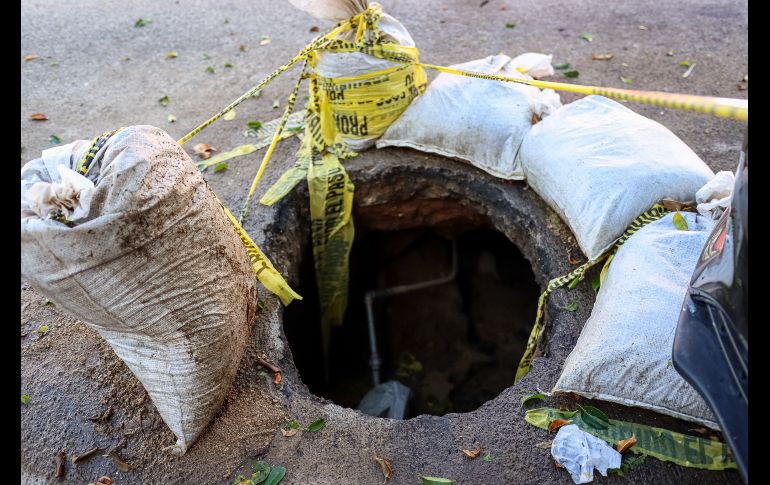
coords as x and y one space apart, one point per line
113 74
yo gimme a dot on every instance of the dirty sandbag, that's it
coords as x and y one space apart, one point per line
479 121
387 400
716 196
580 452
599 165
155 267
390 84
623 354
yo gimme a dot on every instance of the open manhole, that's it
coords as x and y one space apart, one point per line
455 343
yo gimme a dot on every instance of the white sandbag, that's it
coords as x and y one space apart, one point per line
599 165
476 120
334 65
155 267
714 197
623 354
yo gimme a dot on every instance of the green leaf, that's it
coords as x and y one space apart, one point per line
531 397
47 302
594 417
574 282
626 80
261 472
587 36
510 26
210 70
220 166
260 307
229 116
206 57
25 399
254 125
163 101
628 465
434 480
679 222
316 425
228 65
171 54
142 22
563 65
241 480
293 424
55 140
276 475
595 283
571 74
42 328
684 63
572 305
171 118
487 458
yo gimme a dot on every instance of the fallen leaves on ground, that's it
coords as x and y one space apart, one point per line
689 71
164 101
38 117
25 398
55 140
142 22
275 476
679 222
643 27
487 458
543 445
229 116
601 57
60 459
85 455
264 40
104 480
242 48
31 57
171 54
627 443
171 118
572 305
587 36
387 470
316 425
558 423
122 465
472 453
572 73
626 80
532 397
434 480
314 28
203 150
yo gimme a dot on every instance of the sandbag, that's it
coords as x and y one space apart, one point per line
155 267
480 121
360 109
599 165
623 354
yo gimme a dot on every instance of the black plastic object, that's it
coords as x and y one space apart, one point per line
711 344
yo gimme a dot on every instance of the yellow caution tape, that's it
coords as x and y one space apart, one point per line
363 106
736 109
652 214
665 445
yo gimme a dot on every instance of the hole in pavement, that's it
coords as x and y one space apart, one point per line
455 344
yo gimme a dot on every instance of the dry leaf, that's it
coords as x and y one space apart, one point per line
643 27
387 470
31 57
563 407
558 423
229 116
556 463
689 71
203 150
264 40
289 432
60 459
472 453
700 430
570 259
601 57
627 443
87 454
573 396
104 481
122 465
242 48
314 28
39 117
277 378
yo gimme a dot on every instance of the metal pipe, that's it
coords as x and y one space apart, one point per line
374 361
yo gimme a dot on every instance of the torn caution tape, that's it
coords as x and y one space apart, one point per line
665 445
654 213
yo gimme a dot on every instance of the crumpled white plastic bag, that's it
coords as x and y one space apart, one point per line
71 197
580 452
714 197
534 64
